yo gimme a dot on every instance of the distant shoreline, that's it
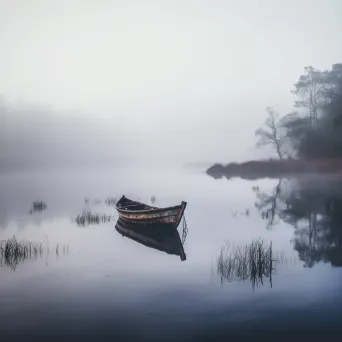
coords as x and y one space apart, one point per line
272 168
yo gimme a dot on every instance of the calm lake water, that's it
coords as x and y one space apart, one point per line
88 281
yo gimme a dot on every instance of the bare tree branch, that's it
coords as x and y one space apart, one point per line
271 134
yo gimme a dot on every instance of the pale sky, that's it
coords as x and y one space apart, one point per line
194 73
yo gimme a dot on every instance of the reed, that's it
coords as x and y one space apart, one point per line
13 251
254 262
37 206
111 201
87 218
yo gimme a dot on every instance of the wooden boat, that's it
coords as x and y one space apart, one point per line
160 236
138 212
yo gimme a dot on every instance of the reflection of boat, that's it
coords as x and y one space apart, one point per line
142 213
160 236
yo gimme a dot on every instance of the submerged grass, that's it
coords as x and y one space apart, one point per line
13 251
254 262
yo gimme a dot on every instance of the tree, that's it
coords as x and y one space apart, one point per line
310 88
271 133
315 130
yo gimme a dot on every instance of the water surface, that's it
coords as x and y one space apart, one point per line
102 285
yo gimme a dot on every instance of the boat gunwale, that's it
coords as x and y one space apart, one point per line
146 211
152 210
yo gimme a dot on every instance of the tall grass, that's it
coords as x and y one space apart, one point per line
254 262
37 206
13 251
87 218
111 201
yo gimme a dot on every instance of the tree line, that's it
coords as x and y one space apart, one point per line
314 129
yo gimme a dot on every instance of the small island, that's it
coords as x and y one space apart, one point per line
272 168
307 140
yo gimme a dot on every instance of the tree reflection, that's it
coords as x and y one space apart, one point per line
314 208
334 236
268 204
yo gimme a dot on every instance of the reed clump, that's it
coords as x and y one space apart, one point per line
87 218
254 262
14 251
37 206
111 201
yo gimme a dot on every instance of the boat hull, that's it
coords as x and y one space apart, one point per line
148 215
167 216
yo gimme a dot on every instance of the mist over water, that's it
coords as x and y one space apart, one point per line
37 138
109 282
34 137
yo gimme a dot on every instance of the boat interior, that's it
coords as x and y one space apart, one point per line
127 204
